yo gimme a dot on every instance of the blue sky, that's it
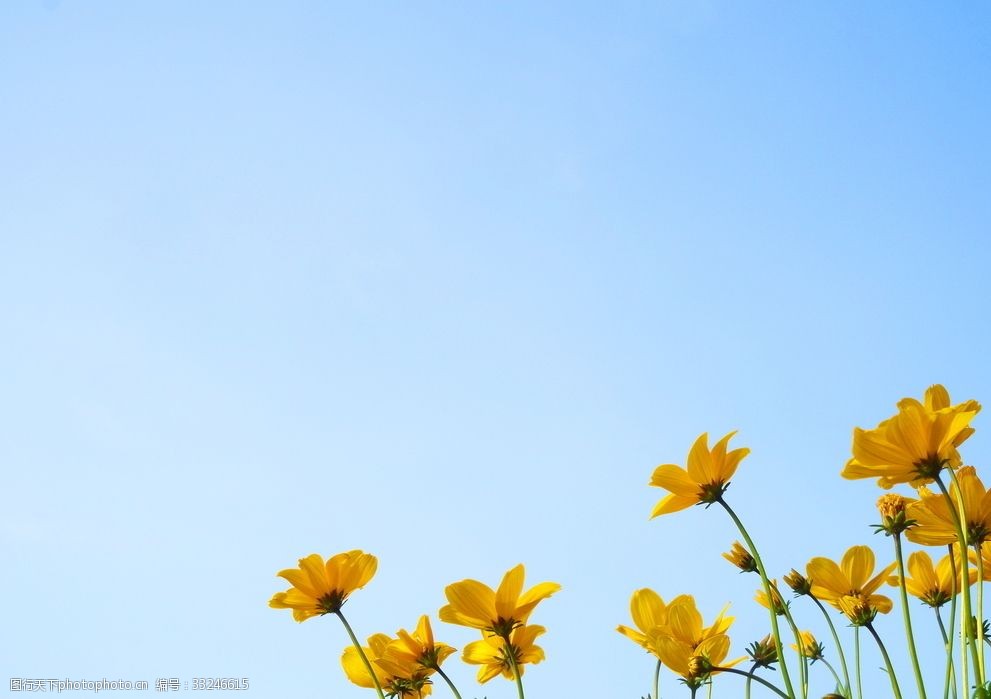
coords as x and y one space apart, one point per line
445 283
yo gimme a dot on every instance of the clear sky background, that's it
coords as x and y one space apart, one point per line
445 282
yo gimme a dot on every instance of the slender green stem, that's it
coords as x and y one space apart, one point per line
950 680
767 591
708 691
980 604
966 632
803 667
839 646
887 661
764 682
511 652
657 681
856 653
907 615
361 653
839 684
950 668
454 690
750 679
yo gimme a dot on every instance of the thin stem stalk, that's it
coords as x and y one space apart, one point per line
361 654
887 661
907 615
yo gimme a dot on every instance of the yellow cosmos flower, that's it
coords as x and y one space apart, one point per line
935 521
418 648
478 606
322 588
810 648
778 606
935 586
741 558
849 586
705 479
493 655
397 679
649 612
914 445
686 646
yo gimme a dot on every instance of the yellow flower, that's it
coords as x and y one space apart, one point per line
798 583
705 479
894 514
810 648
321 588
649 612
851 579
492 653
687 647
478 606
914 445
779 605
741 558
935 586
935 523
418 648
399 679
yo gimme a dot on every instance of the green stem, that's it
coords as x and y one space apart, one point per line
750 679
907 616
966 637
856 653
361 653
764 682
447 679
511 652
836 677
980 603
803 668
836 640
657 681
950 669
950 680
887 661
767 591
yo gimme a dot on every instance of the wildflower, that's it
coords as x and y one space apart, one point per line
705 479
934 586
396 679
763 652
649 612
684 639
322 588
418 648
741 558
478 606
810 647
851 579
799 584
936 522
492 653
914 445
777 605
893 508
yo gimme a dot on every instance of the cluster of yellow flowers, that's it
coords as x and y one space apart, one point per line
403 666
917 447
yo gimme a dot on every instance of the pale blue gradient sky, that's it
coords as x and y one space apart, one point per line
446 282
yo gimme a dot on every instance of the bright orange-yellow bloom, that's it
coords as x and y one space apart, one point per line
478 606
649 612
916 443
686 646
741 558
321 588
493 655
417 648
397 679
849 586
810 648
935 586
703 481
935 521
778 606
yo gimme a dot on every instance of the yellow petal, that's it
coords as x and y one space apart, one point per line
509 592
